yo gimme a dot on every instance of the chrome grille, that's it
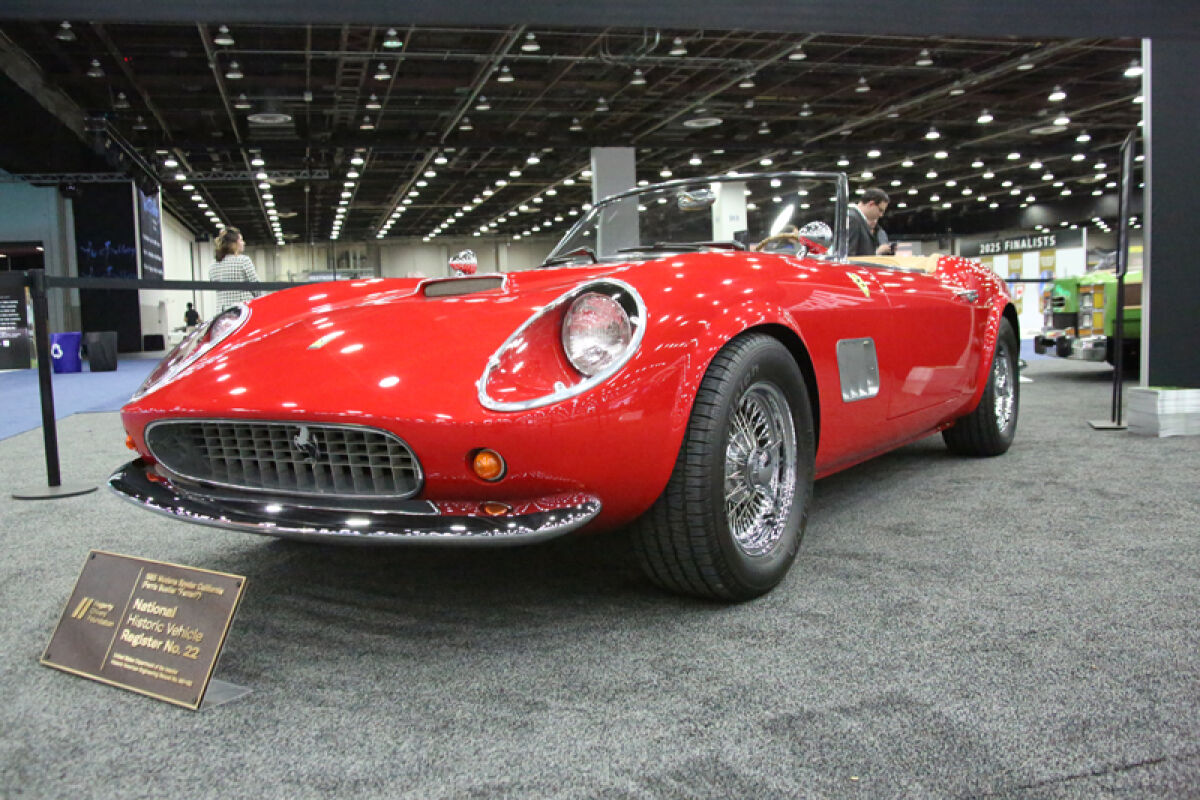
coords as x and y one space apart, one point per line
338 460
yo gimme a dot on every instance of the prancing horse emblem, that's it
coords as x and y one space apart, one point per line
306 445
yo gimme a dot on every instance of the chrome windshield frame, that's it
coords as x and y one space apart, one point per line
841 233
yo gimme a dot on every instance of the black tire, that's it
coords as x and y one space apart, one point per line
1039 345
1062 347
990 428
698 537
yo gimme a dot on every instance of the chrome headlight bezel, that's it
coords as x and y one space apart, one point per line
635 310
193 347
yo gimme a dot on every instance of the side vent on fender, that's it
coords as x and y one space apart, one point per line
858 368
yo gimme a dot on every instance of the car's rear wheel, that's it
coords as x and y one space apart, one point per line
990 428
730 521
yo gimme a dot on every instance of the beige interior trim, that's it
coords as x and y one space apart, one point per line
927 263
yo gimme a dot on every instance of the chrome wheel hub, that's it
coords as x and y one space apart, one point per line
1003 387
760 469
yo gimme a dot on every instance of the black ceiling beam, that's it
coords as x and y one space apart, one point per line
1171 19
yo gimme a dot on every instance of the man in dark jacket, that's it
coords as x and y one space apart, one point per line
866 237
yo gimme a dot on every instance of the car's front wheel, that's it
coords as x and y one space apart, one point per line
730 521
990 428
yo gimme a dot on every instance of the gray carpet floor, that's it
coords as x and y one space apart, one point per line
1024 626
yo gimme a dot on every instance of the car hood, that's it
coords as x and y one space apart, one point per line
380 348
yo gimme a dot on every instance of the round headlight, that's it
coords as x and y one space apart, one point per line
595 332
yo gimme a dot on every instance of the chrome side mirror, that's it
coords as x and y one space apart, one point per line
818 233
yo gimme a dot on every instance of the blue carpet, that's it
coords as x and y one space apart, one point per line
74 392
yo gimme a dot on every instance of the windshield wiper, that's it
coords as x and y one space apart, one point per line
571 256
690 247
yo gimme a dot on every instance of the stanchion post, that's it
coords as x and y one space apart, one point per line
36 281
41 327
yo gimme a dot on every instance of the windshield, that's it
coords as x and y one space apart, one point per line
754 211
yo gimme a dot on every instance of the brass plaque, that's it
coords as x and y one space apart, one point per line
147 626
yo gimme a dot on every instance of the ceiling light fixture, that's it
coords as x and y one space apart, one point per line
924 59
984 117
806 110
638 78
932 133
465 124
482 104
602 105
65 34
505 75
223 38
695 160
373 103
862 86
392 40
242 102
1057 96
677 48
234 73
530 45
1062 120
122 101
1083 137
746 82
366 124
764 129
576 125
95 71
797 54
1134 70
382 73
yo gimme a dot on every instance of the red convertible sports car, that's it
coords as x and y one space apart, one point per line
686 362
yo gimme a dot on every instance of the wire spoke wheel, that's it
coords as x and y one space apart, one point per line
1003 393
760 468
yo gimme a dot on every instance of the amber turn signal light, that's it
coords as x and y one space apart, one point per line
129 442
488 465
494 509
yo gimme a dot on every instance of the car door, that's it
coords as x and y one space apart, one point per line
929 356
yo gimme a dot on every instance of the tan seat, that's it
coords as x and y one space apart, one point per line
927 263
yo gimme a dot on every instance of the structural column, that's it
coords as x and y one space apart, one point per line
1171 288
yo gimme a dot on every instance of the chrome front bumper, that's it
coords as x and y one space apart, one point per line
289 518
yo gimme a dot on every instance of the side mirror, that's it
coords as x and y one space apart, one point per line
818 233
464 263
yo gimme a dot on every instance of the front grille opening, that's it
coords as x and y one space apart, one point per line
333 460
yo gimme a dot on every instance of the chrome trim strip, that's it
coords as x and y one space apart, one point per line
131 482
639 329
419 475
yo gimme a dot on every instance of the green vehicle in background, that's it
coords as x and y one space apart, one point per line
1079 316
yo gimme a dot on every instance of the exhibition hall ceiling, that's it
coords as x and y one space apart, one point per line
303 133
